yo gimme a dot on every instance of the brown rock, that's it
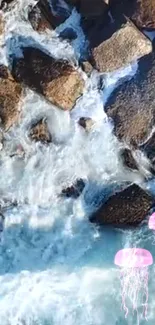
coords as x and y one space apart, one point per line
86 122
46 15
55 79
10 94
124 46
132 105
142 12
40 132
128 207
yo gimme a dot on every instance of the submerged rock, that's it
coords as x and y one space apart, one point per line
47 14
57 80
40 132
68 33
128 159
74 190
125 45
128 207
10 95
132 105
142 12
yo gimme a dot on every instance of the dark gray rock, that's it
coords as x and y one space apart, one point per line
128 207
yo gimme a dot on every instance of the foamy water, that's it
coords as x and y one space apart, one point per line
56 268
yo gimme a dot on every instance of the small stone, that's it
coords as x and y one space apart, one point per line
74 190
86 122
87 67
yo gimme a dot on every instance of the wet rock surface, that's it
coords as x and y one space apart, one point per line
128 207
124 46
58 81
132 105
40 132
10 95
47 15
142 12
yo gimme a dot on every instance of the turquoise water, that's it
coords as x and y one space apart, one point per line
56 268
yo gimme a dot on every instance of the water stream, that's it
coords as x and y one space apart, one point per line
56 268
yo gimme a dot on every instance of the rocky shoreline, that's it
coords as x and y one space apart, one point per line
114 31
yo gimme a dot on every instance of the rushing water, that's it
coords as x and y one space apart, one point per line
56 268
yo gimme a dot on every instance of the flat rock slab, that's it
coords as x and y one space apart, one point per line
142 12
128 207
57 80
125 46
132 105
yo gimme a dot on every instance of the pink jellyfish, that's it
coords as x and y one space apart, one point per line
152 221
134 277
151 224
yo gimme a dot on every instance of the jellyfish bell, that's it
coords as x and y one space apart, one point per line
134 263
151 223
133 257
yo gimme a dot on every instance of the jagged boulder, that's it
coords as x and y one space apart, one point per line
125 45
132 105
10 95
39 132
57 80
128 207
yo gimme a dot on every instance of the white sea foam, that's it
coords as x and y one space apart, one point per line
55 267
